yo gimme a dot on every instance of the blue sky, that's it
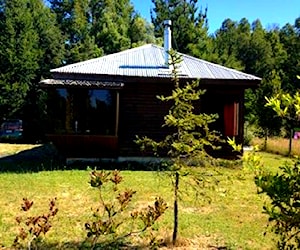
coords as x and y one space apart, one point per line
268 11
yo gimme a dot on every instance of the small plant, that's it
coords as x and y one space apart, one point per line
284 211
113 220
190 137
288 108
32 227
283 189
249 132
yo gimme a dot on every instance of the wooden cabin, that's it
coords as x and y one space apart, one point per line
97 107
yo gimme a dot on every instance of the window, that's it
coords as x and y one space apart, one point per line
82 111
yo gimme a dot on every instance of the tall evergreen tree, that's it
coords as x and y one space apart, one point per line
256 51
259 52
30 44
189 26
111 24
189 138
93 28
264 116
263 57
74 18
226 45
243 40
290 38
141 31
278 54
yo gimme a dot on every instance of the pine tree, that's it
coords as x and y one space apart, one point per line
190 136
226 45
19 54
259 51
265 56
264 116
74 18
290 38
189 26
140 31
111 21
30 45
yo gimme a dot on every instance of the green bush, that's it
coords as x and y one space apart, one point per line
31 228
249 134
113 222
283 189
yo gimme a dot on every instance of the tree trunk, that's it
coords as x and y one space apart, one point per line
290 142
176 187
266 139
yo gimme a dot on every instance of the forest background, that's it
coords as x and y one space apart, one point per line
37 36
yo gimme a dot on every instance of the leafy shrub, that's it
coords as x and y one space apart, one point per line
113 221
249 133
284 211
32 227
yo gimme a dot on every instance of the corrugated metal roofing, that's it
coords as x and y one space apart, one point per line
148 61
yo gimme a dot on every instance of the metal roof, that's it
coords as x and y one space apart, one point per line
148 61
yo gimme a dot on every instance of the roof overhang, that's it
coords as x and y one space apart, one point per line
118 82
104 81
50 83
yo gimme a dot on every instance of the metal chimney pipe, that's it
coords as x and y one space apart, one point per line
167 40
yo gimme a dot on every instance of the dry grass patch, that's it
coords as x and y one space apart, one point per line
278 145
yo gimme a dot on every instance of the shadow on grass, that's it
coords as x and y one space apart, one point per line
165 244
130 165
84 246
44 157
47 158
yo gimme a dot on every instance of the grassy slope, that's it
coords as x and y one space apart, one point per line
233 219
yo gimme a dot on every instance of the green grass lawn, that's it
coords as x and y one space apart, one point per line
233 218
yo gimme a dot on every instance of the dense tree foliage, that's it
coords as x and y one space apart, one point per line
228 45
255 50
30 45
189 26
93 28
272 54
290 39
39 35
73 18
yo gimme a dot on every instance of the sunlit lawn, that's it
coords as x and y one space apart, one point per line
232 219
8 148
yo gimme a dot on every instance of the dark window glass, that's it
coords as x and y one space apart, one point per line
82 111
